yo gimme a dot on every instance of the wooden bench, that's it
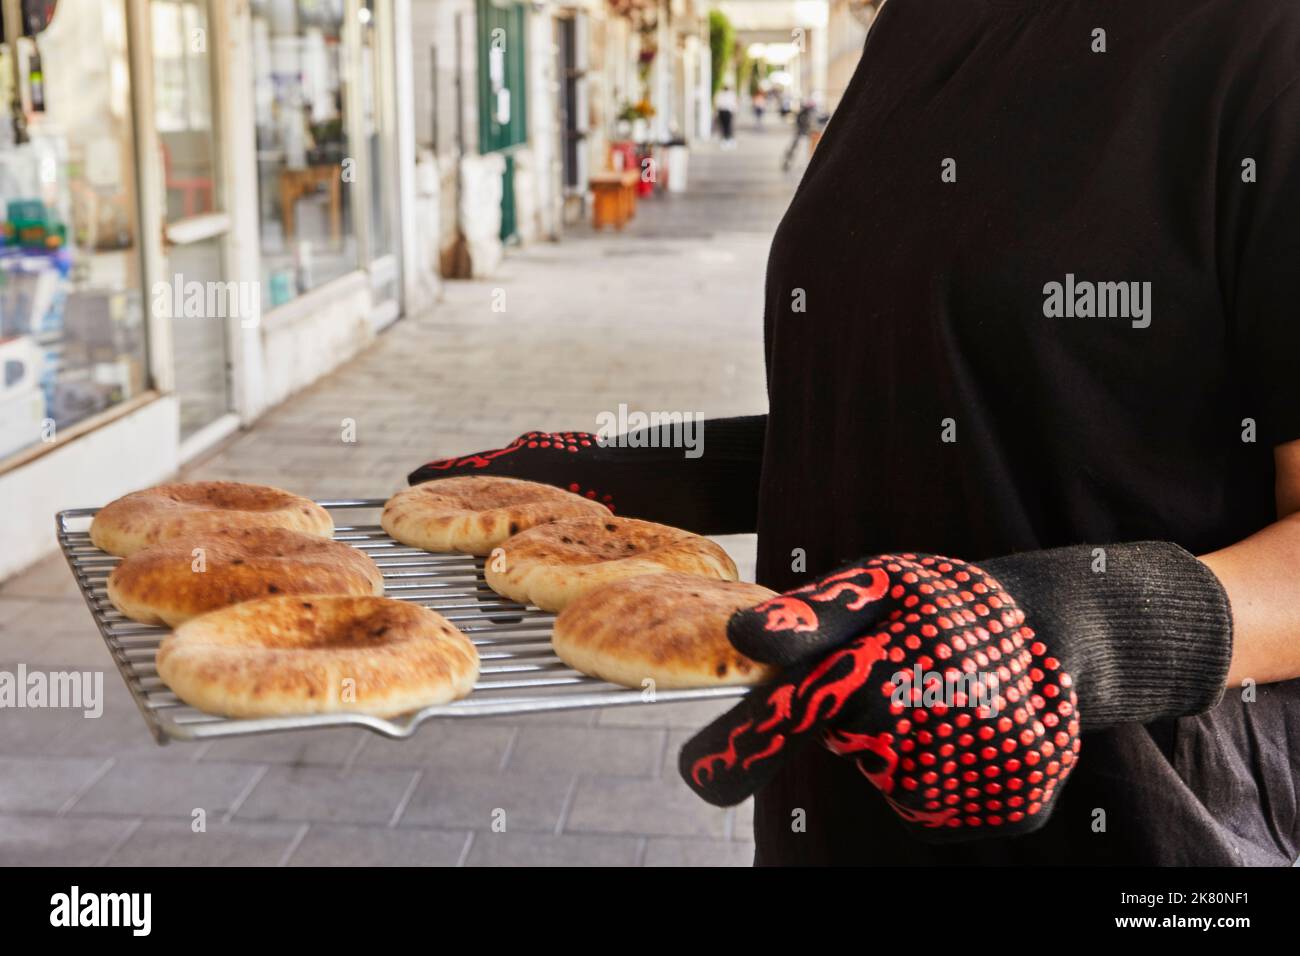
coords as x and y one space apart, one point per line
615 198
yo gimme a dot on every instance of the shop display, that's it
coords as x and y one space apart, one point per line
670 629
30 224
474 514
556 563
172 582
154 515
69 272
318 654
22 404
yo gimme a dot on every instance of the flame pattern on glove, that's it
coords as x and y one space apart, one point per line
921 669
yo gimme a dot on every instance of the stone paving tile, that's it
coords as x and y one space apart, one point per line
44 784
47 578
60 841
33 731
328 795
690 715
673 851
119 732
55 632
463 744
376 846
545 849
605 804
332 747
174 843
154 788
586 750
449 798
585 717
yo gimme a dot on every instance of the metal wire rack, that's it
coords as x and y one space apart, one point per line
519 672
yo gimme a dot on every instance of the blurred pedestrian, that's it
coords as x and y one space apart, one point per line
760 104
726 105
804 123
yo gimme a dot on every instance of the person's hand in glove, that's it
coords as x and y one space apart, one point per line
960 694
531 454
644 474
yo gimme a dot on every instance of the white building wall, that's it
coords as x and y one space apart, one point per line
87 472
538 169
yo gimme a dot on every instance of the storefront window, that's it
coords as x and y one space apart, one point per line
380 177
183 116
305 167
182 76
72 337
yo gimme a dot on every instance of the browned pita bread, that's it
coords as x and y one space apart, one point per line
317 654
554 563
184 577
154 515
667 628
473 514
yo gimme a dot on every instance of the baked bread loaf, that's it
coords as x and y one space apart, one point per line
158 514
317 654
669 628
184 577
553 564
473 514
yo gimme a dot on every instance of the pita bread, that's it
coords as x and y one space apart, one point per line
669 628
317 654
472 514
182 578
154 515
553 564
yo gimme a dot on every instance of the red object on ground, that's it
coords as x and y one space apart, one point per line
626 149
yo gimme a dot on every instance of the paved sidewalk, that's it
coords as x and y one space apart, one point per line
665 316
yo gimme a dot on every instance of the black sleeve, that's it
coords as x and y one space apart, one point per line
1259 241
1148 634
709 488
714 493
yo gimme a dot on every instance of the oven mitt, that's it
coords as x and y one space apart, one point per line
960 690
710 487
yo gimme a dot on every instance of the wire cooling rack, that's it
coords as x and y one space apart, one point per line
519 673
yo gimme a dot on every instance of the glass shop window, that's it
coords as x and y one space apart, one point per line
304 163
72 333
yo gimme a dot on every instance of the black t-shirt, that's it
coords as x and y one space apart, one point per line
1037 288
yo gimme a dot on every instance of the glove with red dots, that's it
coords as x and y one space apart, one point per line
642 474
550 457
962 706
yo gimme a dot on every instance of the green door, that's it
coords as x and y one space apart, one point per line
502 115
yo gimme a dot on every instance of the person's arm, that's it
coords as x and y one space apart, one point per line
1258 235
703 478
1262 577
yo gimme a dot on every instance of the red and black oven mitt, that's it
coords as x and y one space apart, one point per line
961 693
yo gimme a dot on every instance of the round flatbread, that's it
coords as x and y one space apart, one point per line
668 628
318 654
555 563
154 515
182 578
472 514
